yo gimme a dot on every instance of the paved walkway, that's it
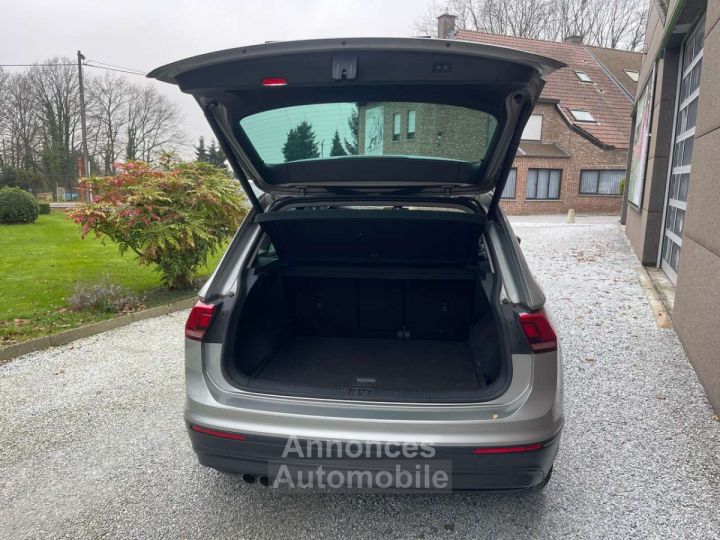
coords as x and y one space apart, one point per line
93 443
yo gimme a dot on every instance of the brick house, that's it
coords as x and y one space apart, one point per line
575 146
387 128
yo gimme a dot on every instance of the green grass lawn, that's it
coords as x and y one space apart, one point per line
40 264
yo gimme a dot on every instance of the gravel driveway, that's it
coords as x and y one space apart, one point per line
93 443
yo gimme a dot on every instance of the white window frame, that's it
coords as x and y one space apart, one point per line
549 171
397 126
597 186
531 128
583 76
412 115
579 112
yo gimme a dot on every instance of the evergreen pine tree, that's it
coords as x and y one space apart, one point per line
215 156
351 146
300 143
337 149
201 152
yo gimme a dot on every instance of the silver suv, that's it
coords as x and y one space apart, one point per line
375 295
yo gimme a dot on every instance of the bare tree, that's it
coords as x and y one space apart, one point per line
605 23
426 23
524 18
56 93
107 117
615 23
571 18
3 120
19 123
636 35
153 124
40 122
3 90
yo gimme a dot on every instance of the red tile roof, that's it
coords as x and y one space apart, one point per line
618 63
603 98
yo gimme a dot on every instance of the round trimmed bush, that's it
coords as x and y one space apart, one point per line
17 206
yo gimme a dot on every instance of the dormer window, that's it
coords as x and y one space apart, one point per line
584 77
634 75
582 116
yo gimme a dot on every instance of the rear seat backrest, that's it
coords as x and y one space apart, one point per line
323 306
419 309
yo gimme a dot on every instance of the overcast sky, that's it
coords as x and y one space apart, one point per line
146 34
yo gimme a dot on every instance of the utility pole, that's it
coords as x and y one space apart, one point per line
86 157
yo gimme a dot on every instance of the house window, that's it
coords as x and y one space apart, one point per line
584 77
510 185
582 116
411 125
601 182
397 120
634 75
533 128
543 184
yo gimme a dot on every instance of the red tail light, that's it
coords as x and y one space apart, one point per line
274 81
538 331
508 449
216 433
199 321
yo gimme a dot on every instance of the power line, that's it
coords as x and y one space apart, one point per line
114 69
118 67
128 71
38 65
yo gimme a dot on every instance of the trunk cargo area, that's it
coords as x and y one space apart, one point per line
358 328
365 365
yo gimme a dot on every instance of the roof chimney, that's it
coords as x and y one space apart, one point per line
446 26
574 40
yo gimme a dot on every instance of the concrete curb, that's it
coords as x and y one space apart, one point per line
63 338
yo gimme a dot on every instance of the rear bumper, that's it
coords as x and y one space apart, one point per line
531 410
263 456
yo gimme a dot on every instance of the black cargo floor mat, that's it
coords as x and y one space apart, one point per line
379 364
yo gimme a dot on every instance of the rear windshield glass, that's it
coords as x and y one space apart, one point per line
329 130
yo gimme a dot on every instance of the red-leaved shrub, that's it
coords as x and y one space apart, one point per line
173 218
